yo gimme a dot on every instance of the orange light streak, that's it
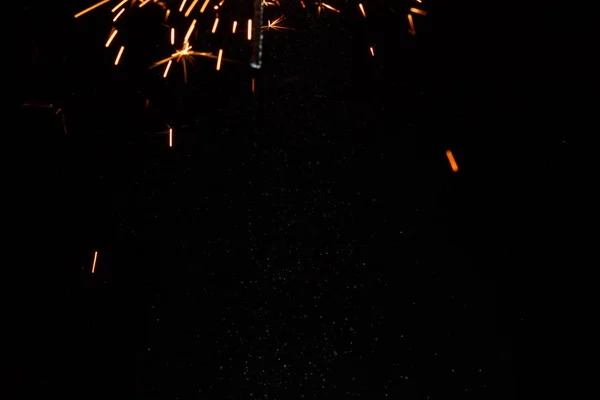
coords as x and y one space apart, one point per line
119 55
362 10
182 5
94 263
234 26
189 10
372 50
143 3
204 6
214 28
110 39
219 59
118 15
167 69
189 32
173 36
452 161
118 6
412 25
87 10
170 137
249 29
417 11
252 85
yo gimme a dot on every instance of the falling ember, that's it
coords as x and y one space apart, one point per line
249 29
170 137
110 39
118 15
143 3
119 55
87 10
234 26
252 85
330 7
115 8
58 111
182 5
372 51
167 15
417 11
412 25
189 10
167 69
214 28
94 263
362 10
173 36
303 5
219 59
204 6
189 32
452 161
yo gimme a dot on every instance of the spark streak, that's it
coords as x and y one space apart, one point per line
452 161
110 39
87 10
170 137
118 6
204 6
94 263
219 59
214 28
362 10
189 10
119 55
417 11
118 15
234 26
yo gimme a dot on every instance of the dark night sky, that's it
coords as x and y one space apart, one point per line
306 241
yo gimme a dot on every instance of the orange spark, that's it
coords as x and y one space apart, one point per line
115 8
167 15
143 3
170 137
372 50
118 15
87 10
214 28
119 55
452 161
219 59
204 6
417 11
182 5
303 5
58 111
167 69
94 263
362 10
173 36
147 103
189 10
252 85
412 25
249 29
110 39
189 32
234 26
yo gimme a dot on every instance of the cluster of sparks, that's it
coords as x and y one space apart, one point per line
179 37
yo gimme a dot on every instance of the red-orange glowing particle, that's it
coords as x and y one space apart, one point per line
452 161
94 264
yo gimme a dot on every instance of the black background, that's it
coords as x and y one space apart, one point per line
307 240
